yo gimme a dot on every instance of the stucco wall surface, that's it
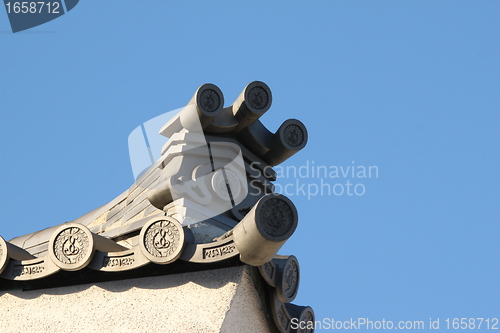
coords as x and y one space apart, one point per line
222 300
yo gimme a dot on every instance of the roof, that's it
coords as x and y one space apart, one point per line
207 202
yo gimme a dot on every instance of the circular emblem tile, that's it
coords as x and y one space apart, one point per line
276 217
291 279
209 100
258 98
71 247
288 278
220 181
3 254
307 317
294 135
162 240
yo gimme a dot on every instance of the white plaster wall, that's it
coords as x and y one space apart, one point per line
222 300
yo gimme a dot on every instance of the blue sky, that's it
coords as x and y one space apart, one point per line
408 87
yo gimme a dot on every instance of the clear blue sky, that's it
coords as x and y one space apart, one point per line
409 87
